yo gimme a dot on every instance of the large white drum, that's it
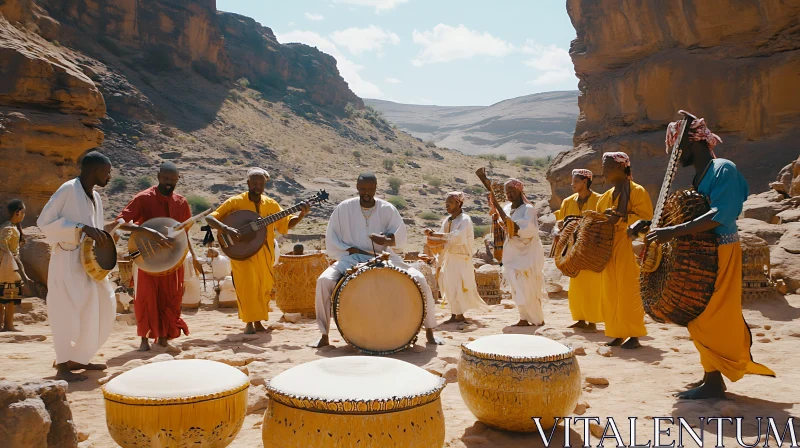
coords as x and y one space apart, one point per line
362 401
507 379
177 404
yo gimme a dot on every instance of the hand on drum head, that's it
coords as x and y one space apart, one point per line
100 237
637 228
660 236
157 237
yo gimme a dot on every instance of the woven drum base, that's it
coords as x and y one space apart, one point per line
505 380
296 282
287 427
192 403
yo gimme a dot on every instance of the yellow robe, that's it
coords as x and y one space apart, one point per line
253 278
720 332
585 290
622 307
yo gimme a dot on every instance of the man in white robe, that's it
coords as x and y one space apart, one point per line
81 311
456 272
358 228
523 255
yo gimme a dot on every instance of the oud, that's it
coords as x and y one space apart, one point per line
253 228
155 259
650 258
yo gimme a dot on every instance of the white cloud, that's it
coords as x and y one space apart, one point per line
379 5
359 40
291 23
393 81
553 63
446 43
314 17
348 69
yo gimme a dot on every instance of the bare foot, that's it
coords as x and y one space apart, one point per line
145 345
65 375
321 342
713 387
260 328
578 324
249 329
615 343
631 343
451 320
433 339
522 323
697 384
166 347
72 365
590 328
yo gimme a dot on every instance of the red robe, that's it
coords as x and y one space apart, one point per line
158 298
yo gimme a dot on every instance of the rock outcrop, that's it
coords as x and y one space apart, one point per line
49 109
735 63
36 415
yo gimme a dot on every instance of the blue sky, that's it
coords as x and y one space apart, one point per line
443 52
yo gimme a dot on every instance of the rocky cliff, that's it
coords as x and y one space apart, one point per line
74 70
733 62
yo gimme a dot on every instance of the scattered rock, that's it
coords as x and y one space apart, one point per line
781 287
579 350
597 381
451 373
418 348
580 409
257 399
759 334
161 358
768 232
605 351
82 436
293 317
596 430
241 337
768 327
765 340
25 424
436 366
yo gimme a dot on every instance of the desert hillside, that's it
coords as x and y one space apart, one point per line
538 125
214 92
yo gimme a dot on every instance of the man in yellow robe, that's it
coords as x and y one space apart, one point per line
585 290
626 203
253 277
720 332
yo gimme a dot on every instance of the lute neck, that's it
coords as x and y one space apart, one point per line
267 220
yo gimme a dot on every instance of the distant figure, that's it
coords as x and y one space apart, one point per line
12 273
298 249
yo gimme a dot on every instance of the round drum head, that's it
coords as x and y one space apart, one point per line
106 256
379 310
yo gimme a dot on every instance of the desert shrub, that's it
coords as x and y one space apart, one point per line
398 201
351 110
429 216
409 153
525 161
144 182
198 203
357 154
475 189
433 181
394 184
480 231
388 164
430 144
327 148
230 145
118 184
243 82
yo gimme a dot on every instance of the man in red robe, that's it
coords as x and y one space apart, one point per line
158 298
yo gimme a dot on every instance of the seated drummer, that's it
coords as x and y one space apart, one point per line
359 229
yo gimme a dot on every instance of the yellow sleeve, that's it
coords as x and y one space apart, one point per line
281 225
225 209
561 211
641 205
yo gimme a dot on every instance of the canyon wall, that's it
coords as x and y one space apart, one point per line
733 62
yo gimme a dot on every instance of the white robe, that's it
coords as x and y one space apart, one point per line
523 264
80 310
457 274
348 228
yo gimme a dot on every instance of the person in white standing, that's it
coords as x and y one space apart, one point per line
358 228
523 255
456 272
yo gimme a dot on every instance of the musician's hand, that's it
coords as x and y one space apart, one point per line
428 232
100 237
378 239
198 267
233 233
612 215
660 236
305 208
638 228
158 237
354 251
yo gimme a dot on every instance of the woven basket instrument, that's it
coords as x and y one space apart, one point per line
677 278
585 243
296 281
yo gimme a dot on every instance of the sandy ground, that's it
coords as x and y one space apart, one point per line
641 382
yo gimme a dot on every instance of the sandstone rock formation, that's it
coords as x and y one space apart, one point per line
36 415
735 63
49 110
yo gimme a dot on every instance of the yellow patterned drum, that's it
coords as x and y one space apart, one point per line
507 379
354 401
176 404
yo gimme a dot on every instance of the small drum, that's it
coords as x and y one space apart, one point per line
97 260
177 404
507 379
379 309
355 401
435 245
296 282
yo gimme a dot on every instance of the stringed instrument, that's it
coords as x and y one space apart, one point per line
499 229
253 228
158 260
650 257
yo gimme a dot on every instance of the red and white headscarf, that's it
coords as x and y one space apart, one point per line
516 184
458 195
619 157
583 173
698 132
